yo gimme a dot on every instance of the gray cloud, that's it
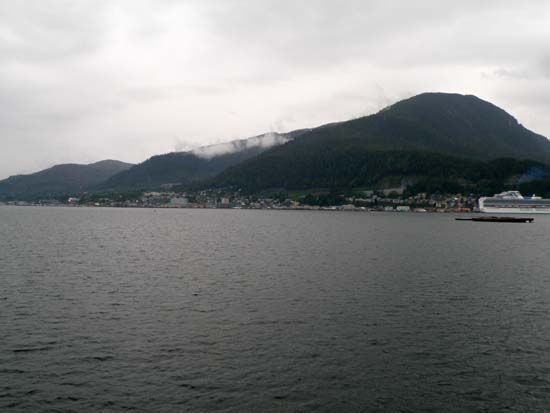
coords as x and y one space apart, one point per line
545 65
49 30
85 80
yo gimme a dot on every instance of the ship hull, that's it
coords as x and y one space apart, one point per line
514 210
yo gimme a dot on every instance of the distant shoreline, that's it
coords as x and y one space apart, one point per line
310 209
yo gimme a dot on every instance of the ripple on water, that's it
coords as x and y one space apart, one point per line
266 311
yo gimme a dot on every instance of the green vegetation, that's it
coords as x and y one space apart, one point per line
108 197
327 199
426 172
434 142
174 168
59 181
439 142
184 168
540 187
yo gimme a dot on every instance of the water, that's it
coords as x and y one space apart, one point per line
234 310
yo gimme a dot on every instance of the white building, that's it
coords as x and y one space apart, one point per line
179 201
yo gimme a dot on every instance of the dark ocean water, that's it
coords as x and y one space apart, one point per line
234 310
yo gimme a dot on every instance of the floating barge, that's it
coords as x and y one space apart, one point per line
496 219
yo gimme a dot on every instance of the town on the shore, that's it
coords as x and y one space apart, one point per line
394 200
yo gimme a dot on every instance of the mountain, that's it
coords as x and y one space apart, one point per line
198 164
65 178
433 140
426 135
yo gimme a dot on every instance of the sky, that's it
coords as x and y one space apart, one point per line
86 80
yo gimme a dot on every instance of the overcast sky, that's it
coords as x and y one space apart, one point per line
84 80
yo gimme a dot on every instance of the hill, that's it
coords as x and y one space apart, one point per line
60 179
415 137
433 140
196 165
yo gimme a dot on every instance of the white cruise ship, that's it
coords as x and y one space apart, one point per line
512 202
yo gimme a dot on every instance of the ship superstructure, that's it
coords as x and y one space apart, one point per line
511 202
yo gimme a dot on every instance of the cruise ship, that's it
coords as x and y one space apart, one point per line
512 202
